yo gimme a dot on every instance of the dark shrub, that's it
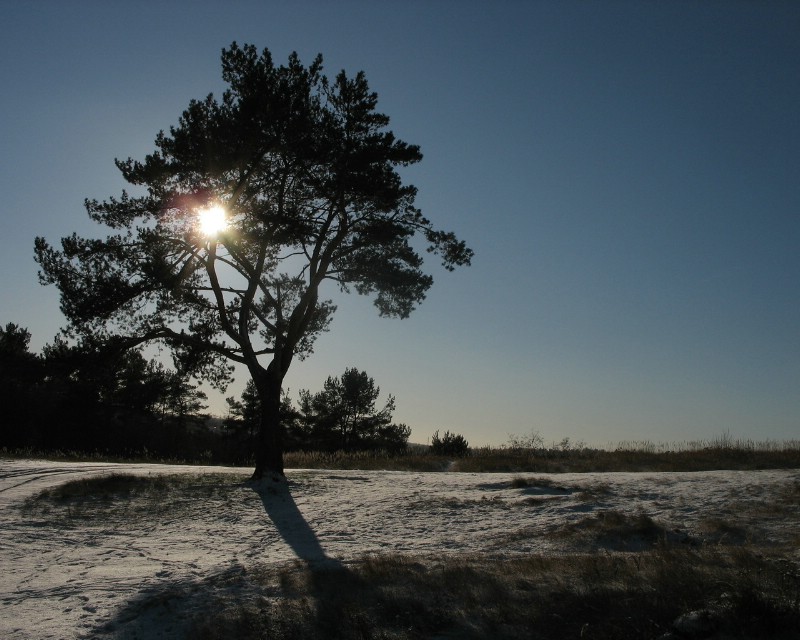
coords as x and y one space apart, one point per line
450 444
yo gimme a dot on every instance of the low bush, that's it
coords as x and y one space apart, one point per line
450 444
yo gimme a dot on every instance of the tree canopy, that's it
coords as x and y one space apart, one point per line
305 171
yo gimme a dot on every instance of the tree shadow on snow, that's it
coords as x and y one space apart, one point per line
291 525
174 608
316 576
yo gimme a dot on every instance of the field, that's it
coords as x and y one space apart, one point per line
104 550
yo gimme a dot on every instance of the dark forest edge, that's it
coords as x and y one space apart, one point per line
627 457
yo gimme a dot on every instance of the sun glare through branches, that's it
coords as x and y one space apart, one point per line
212 220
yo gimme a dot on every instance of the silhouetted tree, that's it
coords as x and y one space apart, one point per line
244 414
344 415
450 444
81 396
111 398
14 341
305 170
180 398
21 375
244 419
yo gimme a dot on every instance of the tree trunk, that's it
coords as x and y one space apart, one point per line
269 443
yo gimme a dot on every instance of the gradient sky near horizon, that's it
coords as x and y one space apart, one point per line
628 174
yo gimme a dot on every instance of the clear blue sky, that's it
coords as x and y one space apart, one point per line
628 174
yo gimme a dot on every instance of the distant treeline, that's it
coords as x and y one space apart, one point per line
93 399
86 398
89 401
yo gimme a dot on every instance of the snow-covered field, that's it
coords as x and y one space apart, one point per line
65 581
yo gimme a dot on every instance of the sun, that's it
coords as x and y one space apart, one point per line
212 220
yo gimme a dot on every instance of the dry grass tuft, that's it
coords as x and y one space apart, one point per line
595 493
722 532
135 500
616 531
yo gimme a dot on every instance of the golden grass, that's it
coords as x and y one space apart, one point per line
719 453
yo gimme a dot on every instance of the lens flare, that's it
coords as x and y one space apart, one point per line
212 220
